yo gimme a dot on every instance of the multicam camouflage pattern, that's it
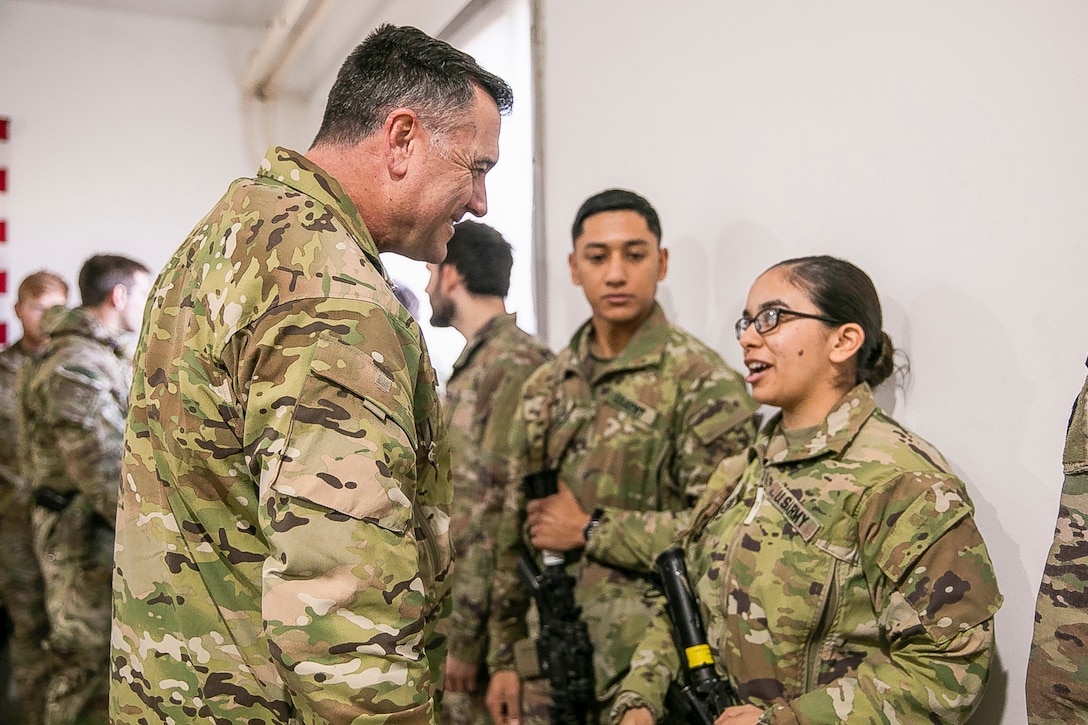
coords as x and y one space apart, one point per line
283 531
841 579
22 592
638 437
72 403
482 395
1057 681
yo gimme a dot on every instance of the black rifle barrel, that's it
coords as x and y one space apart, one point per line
706 695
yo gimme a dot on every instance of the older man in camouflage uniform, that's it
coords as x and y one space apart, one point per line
72 403
21 588
1057 681
634 416
467 291
283 527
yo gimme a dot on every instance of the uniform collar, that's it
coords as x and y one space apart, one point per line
645 349
490 329
292 169
831 437
12 356
60 323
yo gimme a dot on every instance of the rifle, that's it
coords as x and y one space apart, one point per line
563 648
705 696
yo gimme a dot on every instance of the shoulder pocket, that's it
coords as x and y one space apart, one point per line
351 443
74 395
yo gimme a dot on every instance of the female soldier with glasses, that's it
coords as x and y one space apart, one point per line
837 563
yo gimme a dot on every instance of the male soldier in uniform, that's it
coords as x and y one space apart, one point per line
1057 681
72 405
467 291
634 415
283 530
21 589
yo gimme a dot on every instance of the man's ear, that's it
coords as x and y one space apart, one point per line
575 278
663 261
452 279
403 133
119 296
846 341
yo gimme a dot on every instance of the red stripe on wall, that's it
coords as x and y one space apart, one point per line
3 230
3 179
3 333
3 281
4 123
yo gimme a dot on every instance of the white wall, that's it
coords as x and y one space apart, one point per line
941 146
125 131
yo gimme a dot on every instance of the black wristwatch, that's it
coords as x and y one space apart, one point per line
594 522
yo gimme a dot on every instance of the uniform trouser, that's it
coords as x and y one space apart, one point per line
75 551
535 701
465 708
23 594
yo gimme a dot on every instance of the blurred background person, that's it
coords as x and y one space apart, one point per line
407 298
72 405
21 589
1057 679
467 291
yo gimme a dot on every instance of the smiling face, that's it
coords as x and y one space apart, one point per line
618 262
448 181
802 365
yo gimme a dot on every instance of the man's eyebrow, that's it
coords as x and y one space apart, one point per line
594 245
627 244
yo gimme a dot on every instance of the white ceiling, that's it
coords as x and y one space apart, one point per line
302 65
249 13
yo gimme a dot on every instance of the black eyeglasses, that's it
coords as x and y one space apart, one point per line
768 319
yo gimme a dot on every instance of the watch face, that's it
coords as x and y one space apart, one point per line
590 528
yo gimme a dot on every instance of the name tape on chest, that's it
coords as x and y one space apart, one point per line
788 505
632 408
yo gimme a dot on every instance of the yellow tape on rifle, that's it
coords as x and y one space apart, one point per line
698 656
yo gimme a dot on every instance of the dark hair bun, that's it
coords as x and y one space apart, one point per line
883 365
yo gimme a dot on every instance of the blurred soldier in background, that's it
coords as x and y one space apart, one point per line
1057 681
407 298
72 403
467 291
21 589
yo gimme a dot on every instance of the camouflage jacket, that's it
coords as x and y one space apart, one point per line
283 531
1057 680
481 397
12 359
841 579
638 439
72 403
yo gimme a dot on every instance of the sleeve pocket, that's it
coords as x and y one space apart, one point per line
351 446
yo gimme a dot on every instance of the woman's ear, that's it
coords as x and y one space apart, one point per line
846 341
